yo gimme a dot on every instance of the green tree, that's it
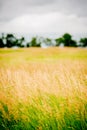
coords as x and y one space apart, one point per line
66 39
34 42
2 39
1 43
83 42
27 44
21 41
48 42
59 41
10 40
73 43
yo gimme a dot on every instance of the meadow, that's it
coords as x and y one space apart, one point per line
43 89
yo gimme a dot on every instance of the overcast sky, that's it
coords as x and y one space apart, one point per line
43 16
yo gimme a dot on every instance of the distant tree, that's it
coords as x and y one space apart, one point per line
10 40
34 42
83 42
22 40
59 41
40 41
66 39
1 43
19 42
2 38
73 43
38 44
48 41
27 44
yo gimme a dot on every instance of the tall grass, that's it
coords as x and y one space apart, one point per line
43 89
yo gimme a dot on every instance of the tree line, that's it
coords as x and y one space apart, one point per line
9 40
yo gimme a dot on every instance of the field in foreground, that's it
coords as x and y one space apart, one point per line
43 89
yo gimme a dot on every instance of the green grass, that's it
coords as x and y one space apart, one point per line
43 89
32 117
42 55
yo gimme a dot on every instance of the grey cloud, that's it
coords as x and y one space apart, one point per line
38 2
13 8
10 9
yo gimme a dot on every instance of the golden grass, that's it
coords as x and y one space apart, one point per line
35 77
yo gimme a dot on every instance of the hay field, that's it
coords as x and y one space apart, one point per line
43 89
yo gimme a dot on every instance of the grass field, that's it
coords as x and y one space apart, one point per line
43 89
